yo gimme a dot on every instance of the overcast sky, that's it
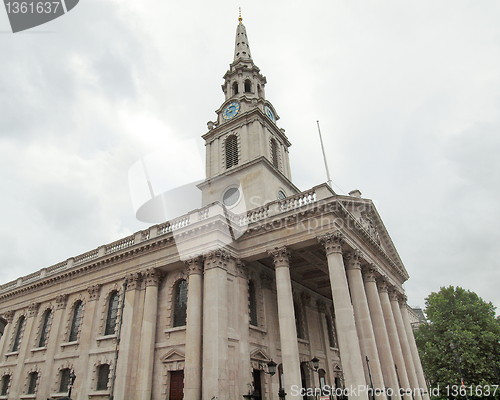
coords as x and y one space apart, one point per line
407 94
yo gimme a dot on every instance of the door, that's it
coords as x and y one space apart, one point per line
176 385
257 385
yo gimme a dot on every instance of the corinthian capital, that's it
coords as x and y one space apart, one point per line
152 276
280 256
333 242
133 281
94 292
194 265
353 259
216 259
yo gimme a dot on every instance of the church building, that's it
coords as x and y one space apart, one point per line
264 292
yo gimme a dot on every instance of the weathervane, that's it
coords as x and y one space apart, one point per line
239 18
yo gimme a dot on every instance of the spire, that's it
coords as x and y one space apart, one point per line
241 48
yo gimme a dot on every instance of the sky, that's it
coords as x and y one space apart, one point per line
407 94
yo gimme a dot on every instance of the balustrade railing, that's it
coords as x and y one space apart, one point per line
120 244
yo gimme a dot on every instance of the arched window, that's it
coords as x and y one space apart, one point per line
44 332
299 321
102 377
248 86
76 321
114 299
19 333
331 334
274 153
33 380
235 88
5 385
180 303
64 384
252 301
258 91
231 151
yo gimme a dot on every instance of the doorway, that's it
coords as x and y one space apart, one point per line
257 384
176 385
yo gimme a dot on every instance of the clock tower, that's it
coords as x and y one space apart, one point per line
246 152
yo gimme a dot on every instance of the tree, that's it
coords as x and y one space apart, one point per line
462 332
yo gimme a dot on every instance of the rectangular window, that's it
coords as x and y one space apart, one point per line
33 382
5 385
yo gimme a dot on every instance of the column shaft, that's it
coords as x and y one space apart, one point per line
125 359
148 336
192 368
414 351
215 327
243 324
405 346
364 325
381 336
350 352
392 331
288 329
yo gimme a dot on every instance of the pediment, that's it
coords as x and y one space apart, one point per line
260 355
172 356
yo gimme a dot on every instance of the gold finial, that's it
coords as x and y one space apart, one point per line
239 18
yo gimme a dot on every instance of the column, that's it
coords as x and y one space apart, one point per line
381 336
414 351
83 382
148 335
405 346
46 378
392 332
364 324
125 359
215 326
350 352
18 375
286 317
243 324
192 366
9 316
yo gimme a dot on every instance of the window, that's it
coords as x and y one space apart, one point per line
252 299
180 303
75 323
235 86
112 314
331 335
274 153
5 385
45 328
231 151
102 377
248 86
19 333
298 321
33 379
64 385
281 378
322 380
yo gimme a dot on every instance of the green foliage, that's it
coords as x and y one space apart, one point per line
462 331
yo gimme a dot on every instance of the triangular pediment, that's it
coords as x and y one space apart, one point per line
260 355
172 356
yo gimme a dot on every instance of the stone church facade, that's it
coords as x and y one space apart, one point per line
203 306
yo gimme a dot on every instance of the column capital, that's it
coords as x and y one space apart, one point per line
9 316
194 265
242 269
370 273
353 259
216 259
333 242
403 299
280 256
152 276
61 301
33 309
94 292
133 280
383 285
394 295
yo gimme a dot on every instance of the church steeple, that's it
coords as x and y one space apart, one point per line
241 46
247 153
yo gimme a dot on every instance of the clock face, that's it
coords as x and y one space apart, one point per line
269 113
231 110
